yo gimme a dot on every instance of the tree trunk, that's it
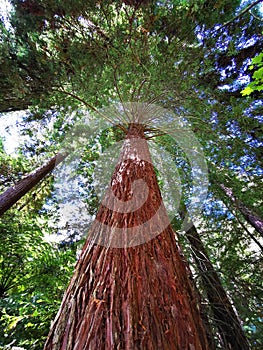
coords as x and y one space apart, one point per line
231 333
14 193
132 287
251 217
13 105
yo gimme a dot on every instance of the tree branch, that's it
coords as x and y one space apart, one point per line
240 14
91 107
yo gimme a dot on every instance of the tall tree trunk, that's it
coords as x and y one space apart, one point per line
14 193
127 296
230 330
251 217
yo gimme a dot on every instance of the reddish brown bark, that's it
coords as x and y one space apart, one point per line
133 297
14 193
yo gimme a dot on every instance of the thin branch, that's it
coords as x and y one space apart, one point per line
156 135
91 107
77 98
240 14
235 213
117 86
250 234
257 17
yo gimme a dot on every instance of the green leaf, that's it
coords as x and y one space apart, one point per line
35 313
258 74
259 87
258 59
14 321
247 91
29 324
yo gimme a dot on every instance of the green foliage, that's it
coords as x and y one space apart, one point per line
11 167
257 83
33 277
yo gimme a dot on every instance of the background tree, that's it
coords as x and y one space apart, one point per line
33 272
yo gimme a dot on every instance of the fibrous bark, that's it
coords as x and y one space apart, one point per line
132 287
14 193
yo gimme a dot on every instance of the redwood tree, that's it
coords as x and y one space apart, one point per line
14 193
251 217
230 331
132 287
65 54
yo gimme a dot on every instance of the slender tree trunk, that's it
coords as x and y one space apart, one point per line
13 104
251 235
14 193
132 287
251 217
230 330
